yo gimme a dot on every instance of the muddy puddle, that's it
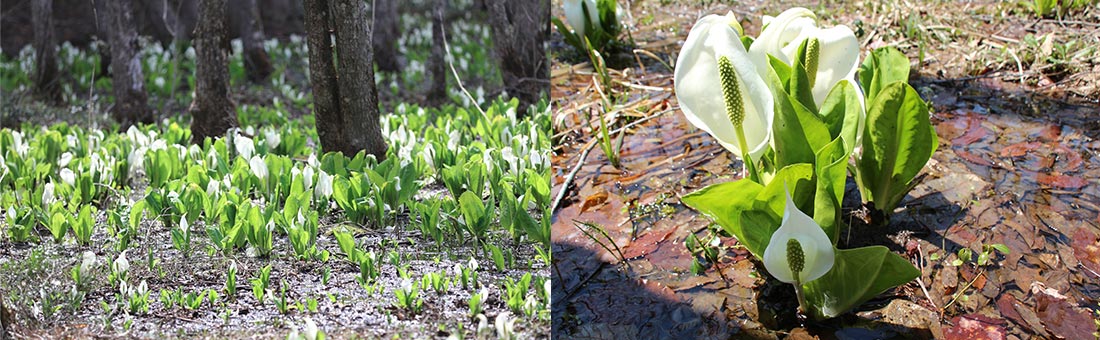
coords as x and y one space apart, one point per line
1008 171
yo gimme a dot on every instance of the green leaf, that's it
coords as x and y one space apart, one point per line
474 213
723 203
832 173
799 85
842 112
137 211
346 242
857 276
885 65
897 143
796 177
59 225
797 131
781 70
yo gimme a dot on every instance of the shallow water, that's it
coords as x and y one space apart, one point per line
997 177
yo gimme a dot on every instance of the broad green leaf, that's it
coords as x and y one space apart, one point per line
832 173
857 276
781 70
797 132
347 243
59 226
137 211
842 113
796 177
474 213
724 202
885 66
897 143
759 225
799 85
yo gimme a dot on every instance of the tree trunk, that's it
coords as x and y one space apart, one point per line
520 31
212 112
47 86
346 105
322 75
5 320
257 64
128 81
386 33
437 67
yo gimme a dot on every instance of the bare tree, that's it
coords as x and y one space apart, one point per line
346 105
520 31
437 90
386 32
246 16
128 81
47 87
212 112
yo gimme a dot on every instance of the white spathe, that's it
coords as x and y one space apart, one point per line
782 35
699 87
324 185
259 168
574 14
817 250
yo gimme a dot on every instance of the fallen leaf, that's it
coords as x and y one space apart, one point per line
1021 314
594 200
1019 149
646 243
1086 248
1060 316
1061 181
975 327
973 158
974 132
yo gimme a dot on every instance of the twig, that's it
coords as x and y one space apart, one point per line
963 290
572 174
923 263
451 63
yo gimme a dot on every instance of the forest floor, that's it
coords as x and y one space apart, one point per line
1014 100
465 282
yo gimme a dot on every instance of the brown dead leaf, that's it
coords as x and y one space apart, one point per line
1019 149
1086 248
975 327
647 243
1061 181
1021 314
1060 315
594 200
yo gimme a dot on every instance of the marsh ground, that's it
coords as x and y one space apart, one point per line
1014 100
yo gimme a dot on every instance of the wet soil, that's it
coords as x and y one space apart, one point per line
1015 166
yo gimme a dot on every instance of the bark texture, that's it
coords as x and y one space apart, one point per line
47 86
212 112
257 64
5 319
520 30
437 63
131 101
346 105
386 32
